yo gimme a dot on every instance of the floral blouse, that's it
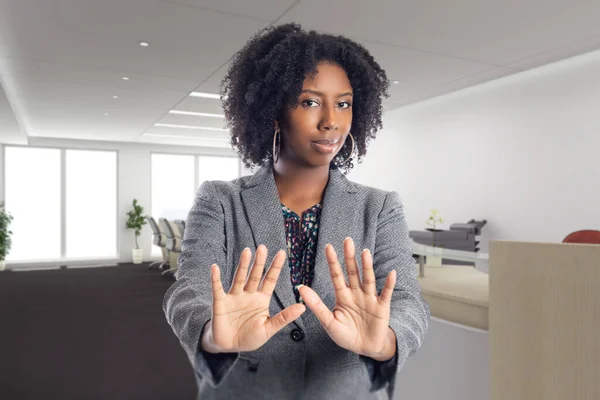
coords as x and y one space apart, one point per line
301 236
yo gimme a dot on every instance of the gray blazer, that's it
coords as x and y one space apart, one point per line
301 361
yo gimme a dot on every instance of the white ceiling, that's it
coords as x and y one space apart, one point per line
62 61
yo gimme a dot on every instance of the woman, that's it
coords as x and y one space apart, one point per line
301 106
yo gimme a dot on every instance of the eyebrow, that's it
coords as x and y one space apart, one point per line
321 94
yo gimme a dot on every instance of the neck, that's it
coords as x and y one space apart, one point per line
300 183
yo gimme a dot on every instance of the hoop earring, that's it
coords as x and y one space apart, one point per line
352 150
276 148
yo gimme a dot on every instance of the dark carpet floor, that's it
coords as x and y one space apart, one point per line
92 333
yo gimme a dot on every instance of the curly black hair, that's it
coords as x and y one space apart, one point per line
267 74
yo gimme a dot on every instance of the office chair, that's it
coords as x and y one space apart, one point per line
588 236
159 238
181 226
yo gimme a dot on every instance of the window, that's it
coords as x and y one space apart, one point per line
45 229
33 197
172 187
91 203
175 179
217 168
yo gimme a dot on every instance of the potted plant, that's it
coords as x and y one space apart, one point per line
432 221
136 221
5 235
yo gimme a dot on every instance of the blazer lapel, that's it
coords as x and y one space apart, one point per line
263 208
338 207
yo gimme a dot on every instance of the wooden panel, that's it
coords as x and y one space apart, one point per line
544 321
457 293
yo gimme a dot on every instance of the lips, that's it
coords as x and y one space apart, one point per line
325 146
326 141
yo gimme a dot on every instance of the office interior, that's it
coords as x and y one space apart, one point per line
492 116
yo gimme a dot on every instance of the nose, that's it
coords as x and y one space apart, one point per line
329 119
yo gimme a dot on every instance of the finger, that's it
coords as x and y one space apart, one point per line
335 269
217 286
270 279
351 267
316 305
284 318
257 269
242 270
369 284
388 289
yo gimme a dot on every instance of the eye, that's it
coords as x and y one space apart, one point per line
310 103
345 104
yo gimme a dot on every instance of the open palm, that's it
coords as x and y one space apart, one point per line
359 321
240 320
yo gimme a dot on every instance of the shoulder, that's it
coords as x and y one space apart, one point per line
219 189
377 198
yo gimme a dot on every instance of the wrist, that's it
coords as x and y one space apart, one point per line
206 340
389 349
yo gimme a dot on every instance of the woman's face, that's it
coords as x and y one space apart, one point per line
314 132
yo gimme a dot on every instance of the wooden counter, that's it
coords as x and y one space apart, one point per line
457 294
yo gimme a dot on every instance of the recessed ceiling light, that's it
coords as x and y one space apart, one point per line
125 78
144 44
205 95
115 97
202 128
197 114
396 82
105 113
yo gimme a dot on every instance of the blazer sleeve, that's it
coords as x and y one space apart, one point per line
410 314
187 304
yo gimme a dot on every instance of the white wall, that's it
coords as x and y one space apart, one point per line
452 364
134 181
521 152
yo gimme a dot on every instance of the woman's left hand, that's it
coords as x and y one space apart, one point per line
360 319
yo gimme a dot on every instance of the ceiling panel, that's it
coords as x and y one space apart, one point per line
417 71
497 33
190 120
48 106
216 145
198 104
217 139
10 130
213 83
21 70
562 52
182 39
264 10
465 83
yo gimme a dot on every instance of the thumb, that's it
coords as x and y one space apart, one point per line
316 305
285 317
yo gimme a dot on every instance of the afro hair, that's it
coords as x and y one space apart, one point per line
267 75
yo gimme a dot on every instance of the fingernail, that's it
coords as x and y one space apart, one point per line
299 286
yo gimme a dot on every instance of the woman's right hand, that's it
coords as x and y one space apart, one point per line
240 319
